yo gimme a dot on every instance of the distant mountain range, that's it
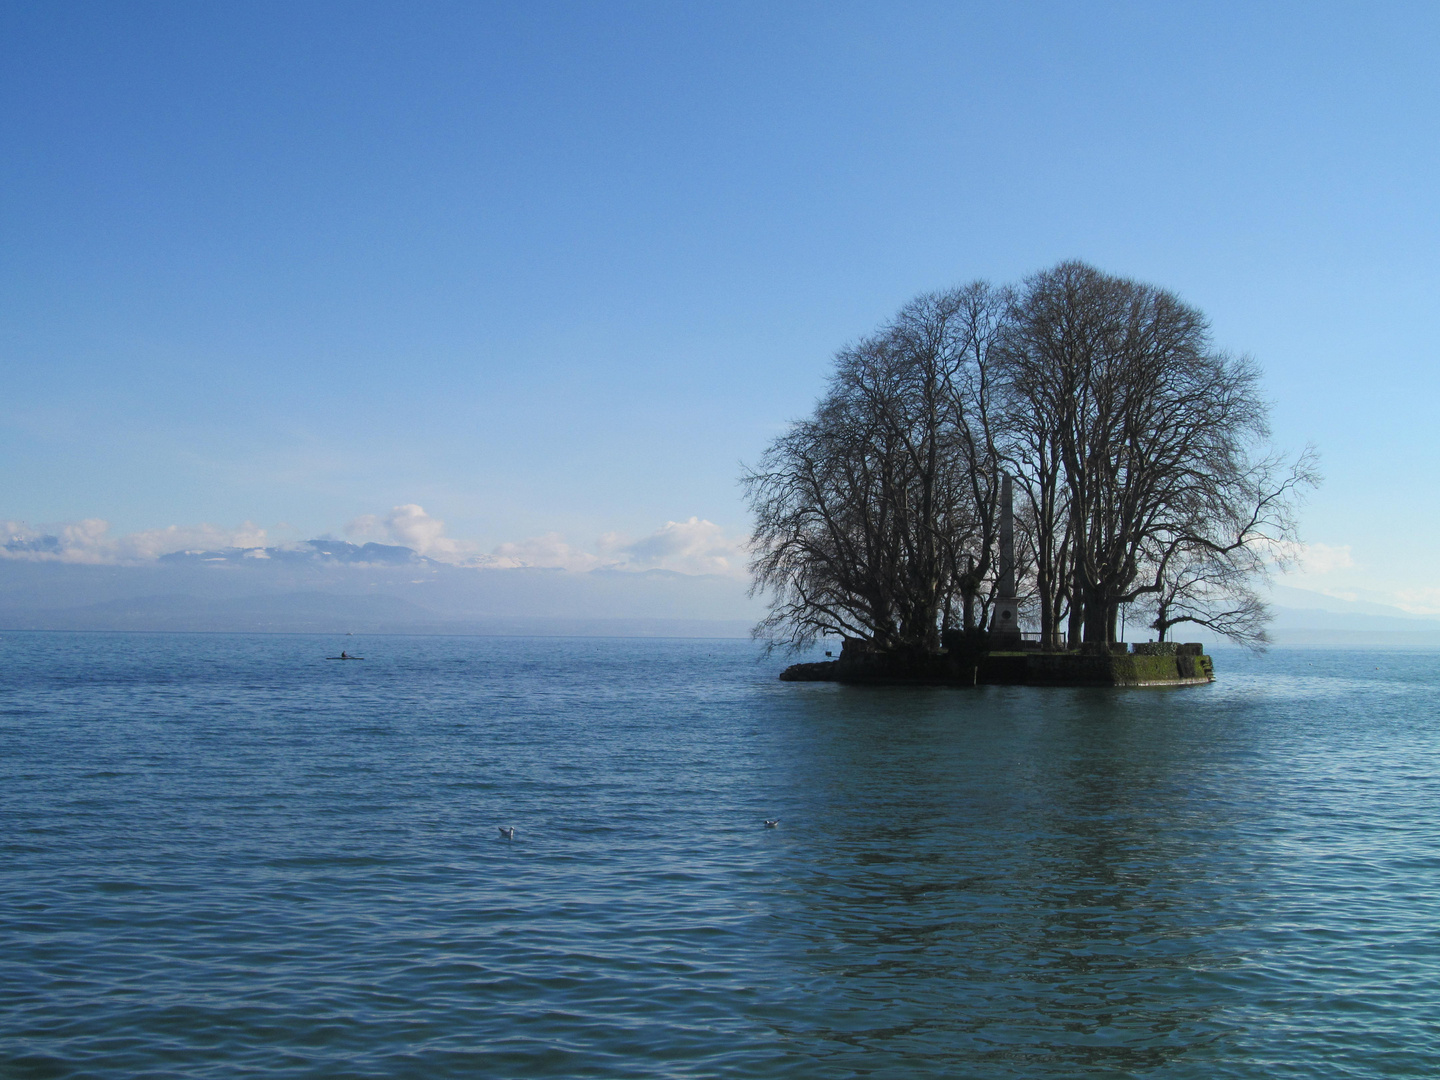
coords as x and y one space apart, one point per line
311 551
1303 617
333 586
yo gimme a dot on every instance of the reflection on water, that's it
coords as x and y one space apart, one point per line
223 857
1027 870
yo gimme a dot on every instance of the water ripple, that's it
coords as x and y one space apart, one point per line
224 858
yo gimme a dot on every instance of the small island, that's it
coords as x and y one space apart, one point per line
1000 479
1002 656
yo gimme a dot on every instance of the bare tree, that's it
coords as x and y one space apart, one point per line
874 519
1138 448
974 321
1211 571
1036 404
1151 427
1211 591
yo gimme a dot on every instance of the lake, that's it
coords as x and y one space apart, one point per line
224 856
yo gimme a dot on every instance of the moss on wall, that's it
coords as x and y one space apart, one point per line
1142 669
1132 670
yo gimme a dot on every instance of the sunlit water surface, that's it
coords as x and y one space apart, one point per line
224 856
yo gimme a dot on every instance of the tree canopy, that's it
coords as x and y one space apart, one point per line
1140 455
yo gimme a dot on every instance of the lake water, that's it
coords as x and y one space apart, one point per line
224 856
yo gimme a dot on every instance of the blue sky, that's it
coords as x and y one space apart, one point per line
552 270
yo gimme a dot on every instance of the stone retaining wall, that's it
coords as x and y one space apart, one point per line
1185 665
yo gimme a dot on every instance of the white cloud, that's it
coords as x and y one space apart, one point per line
549 550
695 546
1326 559
89 541
1313 559
1424 600
366 527
410 526
157 542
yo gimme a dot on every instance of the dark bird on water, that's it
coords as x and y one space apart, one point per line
507 831
770 823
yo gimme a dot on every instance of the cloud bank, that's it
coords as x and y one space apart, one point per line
408 525
694 546
89 541
1313 559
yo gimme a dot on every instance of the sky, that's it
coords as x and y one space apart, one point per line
531 281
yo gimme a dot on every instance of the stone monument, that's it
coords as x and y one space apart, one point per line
1005 624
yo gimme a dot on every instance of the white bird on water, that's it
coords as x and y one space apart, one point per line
507 831
770 823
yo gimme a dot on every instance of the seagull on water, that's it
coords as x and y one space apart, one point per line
770 823
507 831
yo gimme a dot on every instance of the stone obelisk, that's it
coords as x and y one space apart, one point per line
1005 625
